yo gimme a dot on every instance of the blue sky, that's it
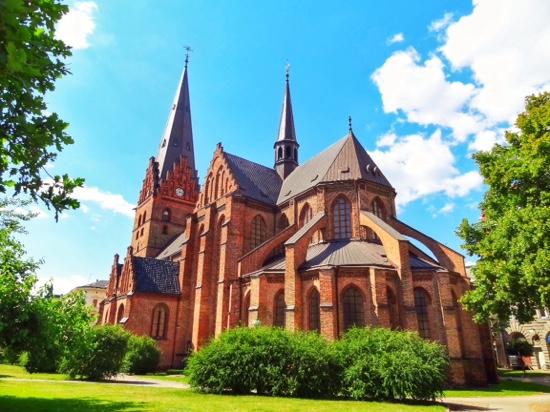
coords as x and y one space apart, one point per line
427 83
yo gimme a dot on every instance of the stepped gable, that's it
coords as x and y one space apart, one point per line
255 181
156 276
344 160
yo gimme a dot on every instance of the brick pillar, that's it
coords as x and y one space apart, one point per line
293 290
328 303
379 299
223 283
407 288
256 311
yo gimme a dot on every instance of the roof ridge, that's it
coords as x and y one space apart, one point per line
343 140
250 161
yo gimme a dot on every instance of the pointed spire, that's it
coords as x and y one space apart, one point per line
177 139
286 127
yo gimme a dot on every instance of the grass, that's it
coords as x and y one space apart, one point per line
13 371
504 388
162 376
519 374
93 397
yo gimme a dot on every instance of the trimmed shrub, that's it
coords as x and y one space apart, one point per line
270 361
520 347
142 355
387 365
100 356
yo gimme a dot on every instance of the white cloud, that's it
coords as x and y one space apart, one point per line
35 210
386 140
486 139
421 91
84 208
107 201
419 166
77 25
445 210
64 284
396 38
441 23
506 45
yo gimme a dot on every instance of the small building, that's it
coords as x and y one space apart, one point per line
95 293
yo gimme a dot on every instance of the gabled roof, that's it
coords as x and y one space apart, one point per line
177 139
256 181
98 284
156 276
344 160
173 247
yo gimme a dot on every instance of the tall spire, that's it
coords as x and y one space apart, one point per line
177 139
286 126
286 146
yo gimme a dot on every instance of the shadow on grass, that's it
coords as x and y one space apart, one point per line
17 404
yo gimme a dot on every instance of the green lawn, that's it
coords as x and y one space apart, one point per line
520 374
13 371
504 388
88 397
166 377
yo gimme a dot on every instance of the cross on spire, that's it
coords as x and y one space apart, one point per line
188 50
287 70
349 124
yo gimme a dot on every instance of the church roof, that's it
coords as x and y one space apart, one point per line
286 126
156 276
173 247
99 284
344 160
256 181
177 139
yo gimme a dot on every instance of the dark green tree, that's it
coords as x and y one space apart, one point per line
31 59
512 240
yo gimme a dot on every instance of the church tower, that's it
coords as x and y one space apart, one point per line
286 146
170 188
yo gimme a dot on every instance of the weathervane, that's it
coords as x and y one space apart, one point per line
287 70
188 50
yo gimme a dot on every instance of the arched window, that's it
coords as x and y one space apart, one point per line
296 155
258 232
279 310
139 221
392 308
283 222
280 153
305 215
354 308
166 215
222 186
342 218
120 313
421 304
246 307
287 152
159 321
378 208
144 217
314 310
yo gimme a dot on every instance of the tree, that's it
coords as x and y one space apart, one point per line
512 240
17 279
31 59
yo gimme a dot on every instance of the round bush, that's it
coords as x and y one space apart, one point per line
99 356
142 355
382 364
270 361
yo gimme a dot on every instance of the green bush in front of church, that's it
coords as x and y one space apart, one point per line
142 355
382 364
269 361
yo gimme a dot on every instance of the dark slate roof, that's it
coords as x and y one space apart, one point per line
257 182
156 276
99 284
420 263
173 247
345 253
344 160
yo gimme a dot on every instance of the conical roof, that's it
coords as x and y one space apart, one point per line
177 139
346 159
287 131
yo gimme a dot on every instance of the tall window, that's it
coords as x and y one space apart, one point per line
258 234
160 319
354 308
393 309
421 303
342 218
305 215
314 310
246 306
378 208
279 310
120 313
283 222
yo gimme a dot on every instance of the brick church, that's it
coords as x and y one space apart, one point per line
314 245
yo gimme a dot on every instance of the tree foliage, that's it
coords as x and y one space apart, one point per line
512 240
142 356
31 59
